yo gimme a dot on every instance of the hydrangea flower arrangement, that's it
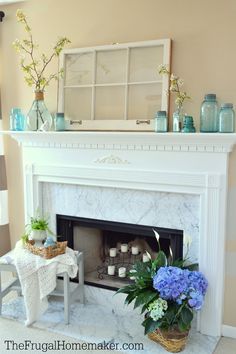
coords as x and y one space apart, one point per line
168 292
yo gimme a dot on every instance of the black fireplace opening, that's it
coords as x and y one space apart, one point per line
129 243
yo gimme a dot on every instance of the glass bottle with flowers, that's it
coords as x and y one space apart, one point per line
168 291
175 87
35 69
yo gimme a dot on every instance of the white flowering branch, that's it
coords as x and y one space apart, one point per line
175 85
33 68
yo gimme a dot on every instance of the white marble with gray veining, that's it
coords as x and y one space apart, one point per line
170 210
95 323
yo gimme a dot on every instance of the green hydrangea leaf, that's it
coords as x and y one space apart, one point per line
186 316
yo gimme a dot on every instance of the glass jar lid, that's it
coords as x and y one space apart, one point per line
60 115
210 96
161 114
227 105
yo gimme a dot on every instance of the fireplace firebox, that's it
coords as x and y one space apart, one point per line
129 242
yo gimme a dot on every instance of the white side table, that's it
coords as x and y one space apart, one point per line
69 290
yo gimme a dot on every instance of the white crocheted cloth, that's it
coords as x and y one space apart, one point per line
38 277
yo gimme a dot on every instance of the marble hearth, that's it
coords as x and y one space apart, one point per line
169 180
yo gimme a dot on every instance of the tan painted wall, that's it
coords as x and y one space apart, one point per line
204 54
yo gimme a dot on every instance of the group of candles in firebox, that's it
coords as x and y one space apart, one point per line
124 249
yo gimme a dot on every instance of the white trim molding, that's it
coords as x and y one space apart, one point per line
195 164
197 142
229 331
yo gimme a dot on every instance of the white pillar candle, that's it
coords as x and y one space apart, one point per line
112 252
132 271
134 250
111 270
122 272
145 258
124 247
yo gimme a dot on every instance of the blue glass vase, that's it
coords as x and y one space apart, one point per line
39 117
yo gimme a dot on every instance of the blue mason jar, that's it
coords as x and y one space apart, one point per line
226 118
17 120
209 114
161 122
59 122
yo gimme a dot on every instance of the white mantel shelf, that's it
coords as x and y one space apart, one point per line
199 142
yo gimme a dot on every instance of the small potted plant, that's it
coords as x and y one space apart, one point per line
37 229
168 292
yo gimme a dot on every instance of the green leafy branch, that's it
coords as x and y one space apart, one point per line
34 69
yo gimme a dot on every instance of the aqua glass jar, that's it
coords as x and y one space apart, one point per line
209 114
188 125
59 122
226 118
17 120
160 122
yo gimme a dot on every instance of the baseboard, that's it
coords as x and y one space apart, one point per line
228 331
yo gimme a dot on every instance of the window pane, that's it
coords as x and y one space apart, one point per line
78 103
109 102
78 69
144 101
111 66
144 63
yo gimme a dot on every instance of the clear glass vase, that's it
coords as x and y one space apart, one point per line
178 120
39 118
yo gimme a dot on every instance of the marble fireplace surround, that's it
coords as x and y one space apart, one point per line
194 164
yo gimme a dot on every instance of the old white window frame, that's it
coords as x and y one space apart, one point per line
123 124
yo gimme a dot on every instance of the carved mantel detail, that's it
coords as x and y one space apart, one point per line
112 159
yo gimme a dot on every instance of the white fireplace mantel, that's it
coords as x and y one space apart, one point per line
132 141
195 164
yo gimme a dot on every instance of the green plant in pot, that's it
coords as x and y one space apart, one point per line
37 229
168 292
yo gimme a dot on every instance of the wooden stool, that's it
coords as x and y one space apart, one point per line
65 288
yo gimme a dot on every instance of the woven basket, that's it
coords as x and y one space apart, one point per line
173 341
47 252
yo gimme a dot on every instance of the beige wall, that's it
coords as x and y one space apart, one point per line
204 54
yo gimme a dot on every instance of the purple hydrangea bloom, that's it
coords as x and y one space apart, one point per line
171 282
196 300
198 282
178 284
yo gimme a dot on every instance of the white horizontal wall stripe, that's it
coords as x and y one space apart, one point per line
1 140
4 208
